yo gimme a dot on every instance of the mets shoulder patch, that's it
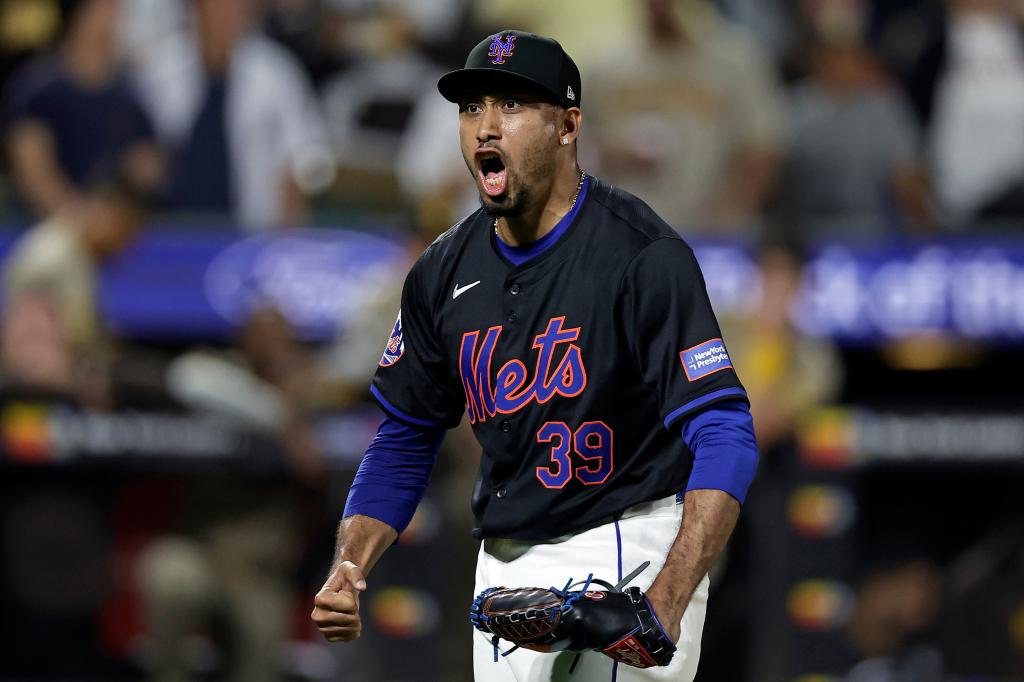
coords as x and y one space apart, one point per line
395 348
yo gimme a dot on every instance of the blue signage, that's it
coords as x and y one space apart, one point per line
187 285
971 291
864 294
191 285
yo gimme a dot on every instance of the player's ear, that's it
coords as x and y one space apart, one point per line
572 119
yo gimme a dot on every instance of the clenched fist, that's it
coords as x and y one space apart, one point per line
336 606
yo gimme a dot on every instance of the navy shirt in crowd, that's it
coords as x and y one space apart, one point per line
200 168
92 127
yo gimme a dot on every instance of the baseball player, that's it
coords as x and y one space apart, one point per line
573 326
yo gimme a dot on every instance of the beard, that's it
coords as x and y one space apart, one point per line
514 202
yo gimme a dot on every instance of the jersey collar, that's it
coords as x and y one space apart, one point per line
520 255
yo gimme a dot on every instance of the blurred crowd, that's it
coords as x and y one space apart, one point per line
778 124
783 121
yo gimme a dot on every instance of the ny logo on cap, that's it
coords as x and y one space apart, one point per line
501 48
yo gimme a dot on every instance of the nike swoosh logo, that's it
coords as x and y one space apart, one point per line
461 290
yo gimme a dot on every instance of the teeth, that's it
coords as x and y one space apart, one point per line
494 182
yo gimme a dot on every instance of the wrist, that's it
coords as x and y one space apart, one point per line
666 605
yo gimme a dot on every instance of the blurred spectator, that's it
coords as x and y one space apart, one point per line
71 117
37 357
430 169
231 562
144 22
266 386
345 367
369 106
910 36
435 24
769 22
853 166
983 628
895 606
689 120
53 334
239 116
978 140
606 25
787 374
311 31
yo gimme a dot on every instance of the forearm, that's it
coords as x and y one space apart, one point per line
362 540
386 491
709 517
387 487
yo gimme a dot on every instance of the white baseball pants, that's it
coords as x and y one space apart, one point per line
644 533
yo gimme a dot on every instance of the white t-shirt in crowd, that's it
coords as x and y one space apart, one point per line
978 136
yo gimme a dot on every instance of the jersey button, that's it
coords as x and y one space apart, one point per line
511 318
506 426
514 289
501 493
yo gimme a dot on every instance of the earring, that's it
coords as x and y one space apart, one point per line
565 140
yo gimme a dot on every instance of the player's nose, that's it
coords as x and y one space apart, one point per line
490 124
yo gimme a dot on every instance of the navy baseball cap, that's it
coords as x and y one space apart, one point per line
518 55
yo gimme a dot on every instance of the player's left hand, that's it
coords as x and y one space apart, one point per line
619 623
669 616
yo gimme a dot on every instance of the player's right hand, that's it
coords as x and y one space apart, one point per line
336 605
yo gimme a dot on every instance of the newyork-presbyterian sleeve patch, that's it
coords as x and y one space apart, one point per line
396 346
704 359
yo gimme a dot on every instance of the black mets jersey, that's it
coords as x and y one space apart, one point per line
575 368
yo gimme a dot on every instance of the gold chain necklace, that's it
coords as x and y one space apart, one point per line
579 187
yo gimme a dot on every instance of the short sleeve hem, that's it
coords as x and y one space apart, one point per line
402 416
702 401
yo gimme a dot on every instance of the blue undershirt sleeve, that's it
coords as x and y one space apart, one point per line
394 473
722 440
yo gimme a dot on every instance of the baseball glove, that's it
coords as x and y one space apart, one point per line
619 623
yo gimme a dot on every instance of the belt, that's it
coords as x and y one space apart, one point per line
641 509
646 508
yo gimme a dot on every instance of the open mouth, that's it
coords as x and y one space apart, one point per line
493 174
